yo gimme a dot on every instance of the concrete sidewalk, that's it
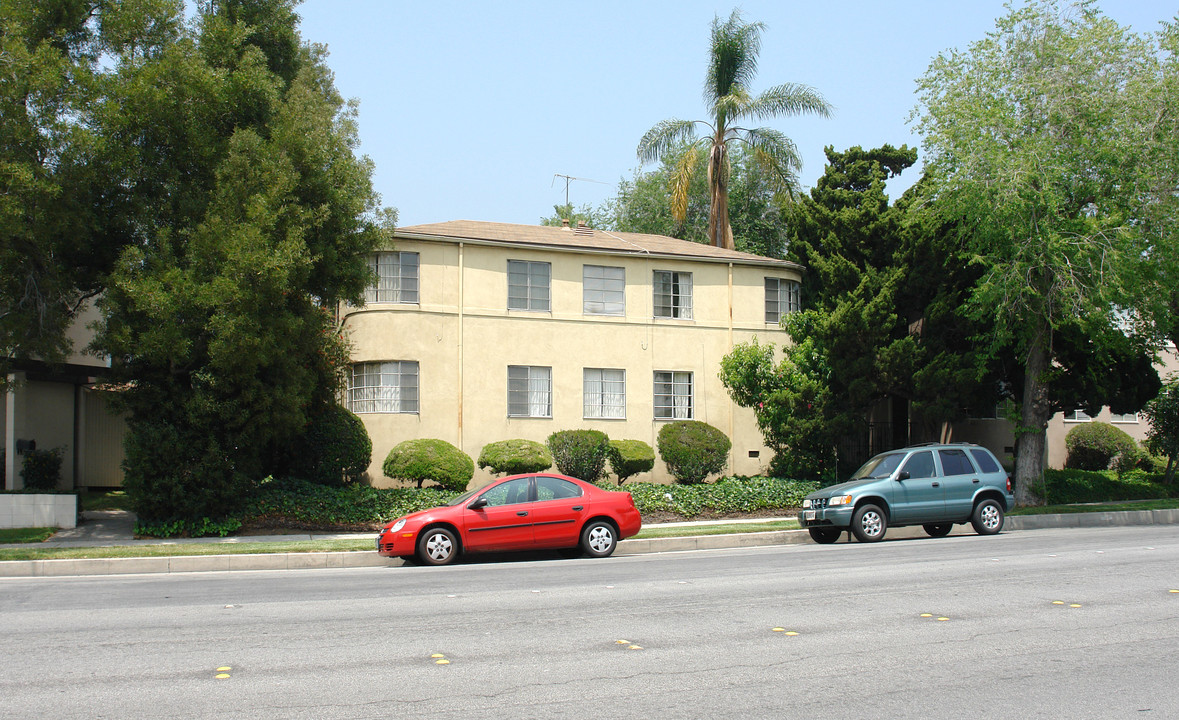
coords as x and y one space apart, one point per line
107 528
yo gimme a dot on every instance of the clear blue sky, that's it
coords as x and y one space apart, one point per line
468 109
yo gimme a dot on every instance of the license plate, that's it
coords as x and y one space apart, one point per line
808 514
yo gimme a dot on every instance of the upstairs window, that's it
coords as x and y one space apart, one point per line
673 294
782 297
603 290
397 278
528 285
1077 416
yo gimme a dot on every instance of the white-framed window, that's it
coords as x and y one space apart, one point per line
673 294
673 395
603 290
782 297
528 285
604 393
1127 418
530 391
397 278
1077 416
383 387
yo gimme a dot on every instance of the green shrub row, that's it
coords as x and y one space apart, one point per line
301 504
307 505
727 495
1064 487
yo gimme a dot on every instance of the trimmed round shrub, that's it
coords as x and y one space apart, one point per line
580 453
42 469
1095 445
630 457
336 449
693 450
513 457
429 459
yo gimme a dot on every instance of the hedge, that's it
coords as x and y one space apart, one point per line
512 457
629 458
429 459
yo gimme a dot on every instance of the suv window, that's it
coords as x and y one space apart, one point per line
986 463
920 465
955 462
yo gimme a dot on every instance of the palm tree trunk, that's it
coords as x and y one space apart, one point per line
720 233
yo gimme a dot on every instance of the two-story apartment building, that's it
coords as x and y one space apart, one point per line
478 332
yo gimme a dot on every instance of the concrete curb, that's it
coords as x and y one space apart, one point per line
324 560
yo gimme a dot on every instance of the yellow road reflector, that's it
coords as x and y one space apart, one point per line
222 676
779 630
437 655
942 619
634 647
1174 591
926 614
1074 605
1057 602
791 632
224 668
441 662
622 642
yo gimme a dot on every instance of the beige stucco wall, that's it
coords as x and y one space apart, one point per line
463 356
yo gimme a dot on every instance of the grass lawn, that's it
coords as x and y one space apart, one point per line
26 535
103 500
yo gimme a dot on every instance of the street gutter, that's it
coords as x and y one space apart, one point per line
353 559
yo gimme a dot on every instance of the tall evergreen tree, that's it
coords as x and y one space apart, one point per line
254 218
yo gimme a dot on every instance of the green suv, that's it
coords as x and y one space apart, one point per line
933 485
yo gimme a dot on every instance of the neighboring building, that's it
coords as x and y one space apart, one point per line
58 406
996 433
478 332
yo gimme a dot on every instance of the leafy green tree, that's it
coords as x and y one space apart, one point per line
585 214
1163 415
63 215
1032 152
1155 99
733 55
254 218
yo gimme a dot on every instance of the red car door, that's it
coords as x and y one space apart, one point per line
558 512
500 518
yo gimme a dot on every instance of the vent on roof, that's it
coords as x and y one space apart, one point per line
581 229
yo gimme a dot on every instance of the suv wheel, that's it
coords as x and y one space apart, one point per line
825 535
987 518
938 529
869 523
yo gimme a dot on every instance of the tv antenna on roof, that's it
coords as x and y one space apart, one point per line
569 179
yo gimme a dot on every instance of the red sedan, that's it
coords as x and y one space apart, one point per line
521 512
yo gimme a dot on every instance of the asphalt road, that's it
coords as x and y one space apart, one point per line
1034 624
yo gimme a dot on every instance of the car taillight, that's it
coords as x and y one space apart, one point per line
1008 483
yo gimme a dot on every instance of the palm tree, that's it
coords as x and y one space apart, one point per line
731 67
